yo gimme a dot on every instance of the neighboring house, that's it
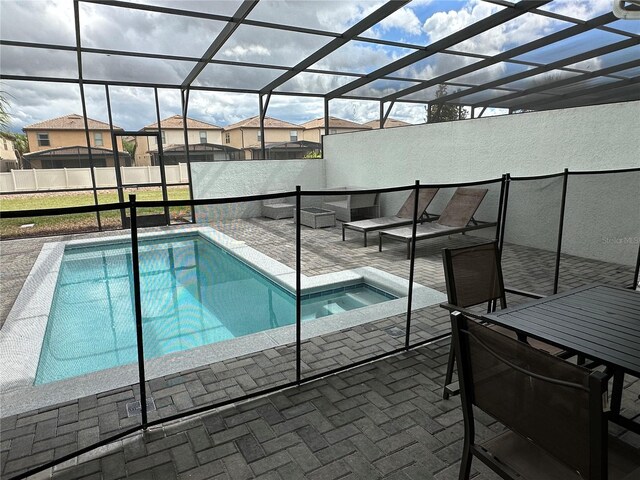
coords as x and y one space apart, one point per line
73 157
8 159
314 129
390 123
69 131
199 152
245 134
172 132
285 150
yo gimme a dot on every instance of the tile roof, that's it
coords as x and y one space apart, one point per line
175 122
335 122
390 123
254 122
69 122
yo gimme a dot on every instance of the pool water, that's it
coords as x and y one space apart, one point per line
193 293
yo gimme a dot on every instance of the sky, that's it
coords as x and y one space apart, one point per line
421 22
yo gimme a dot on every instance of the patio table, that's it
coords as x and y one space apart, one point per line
600 322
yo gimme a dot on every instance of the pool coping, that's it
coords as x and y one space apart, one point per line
23 333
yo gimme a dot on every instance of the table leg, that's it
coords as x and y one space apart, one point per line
365 238
343 232
616 391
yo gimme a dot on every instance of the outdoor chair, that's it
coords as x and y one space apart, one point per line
457 217
403 217
553 411
473 276
348 207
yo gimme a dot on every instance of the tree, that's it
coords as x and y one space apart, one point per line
5 120
313 154
442 112
21 146
130 146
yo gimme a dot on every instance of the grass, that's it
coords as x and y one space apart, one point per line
82 222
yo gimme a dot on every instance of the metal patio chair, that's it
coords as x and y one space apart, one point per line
553 411
473 275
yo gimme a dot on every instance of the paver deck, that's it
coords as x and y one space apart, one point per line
381 420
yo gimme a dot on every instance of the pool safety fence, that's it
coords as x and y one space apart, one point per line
509 196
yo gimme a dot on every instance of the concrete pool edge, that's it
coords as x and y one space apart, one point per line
22 336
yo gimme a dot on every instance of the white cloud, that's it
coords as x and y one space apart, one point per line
404 19
245 51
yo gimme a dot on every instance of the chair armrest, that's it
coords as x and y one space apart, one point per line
464 311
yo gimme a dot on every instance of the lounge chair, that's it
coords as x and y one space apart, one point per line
457 217
403 217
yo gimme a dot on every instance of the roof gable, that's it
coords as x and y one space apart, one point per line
335 122
175 122
269 122
72 121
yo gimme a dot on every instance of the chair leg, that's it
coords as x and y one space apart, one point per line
365 239
465 464
343 232
449 375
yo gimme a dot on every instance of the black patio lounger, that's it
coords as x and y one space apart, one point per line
457 217
403 217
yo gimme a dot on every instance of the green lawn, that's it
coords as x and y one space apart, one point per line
10 228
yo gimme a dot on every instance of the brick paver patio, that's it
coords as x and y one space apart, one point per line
384 419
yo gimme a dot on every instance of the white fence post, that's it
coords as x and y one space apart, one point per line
13 178
35 177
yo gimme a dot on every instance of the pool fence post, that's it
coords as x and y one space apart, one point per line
412 261
138 307
556 276
298 274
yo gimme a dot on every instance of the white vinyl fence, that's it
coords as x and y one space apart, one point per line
70 178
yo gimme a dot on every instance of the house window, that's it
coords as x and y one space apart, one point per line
4 144
332 131
227 138
293 135
97 139
43 140
164 138
203 137
259 135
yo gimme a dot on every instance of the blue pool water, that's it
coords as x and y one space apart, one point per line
193 293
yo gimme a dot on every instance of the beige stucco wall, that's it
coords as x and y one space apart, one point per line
7 149
176 137
69 138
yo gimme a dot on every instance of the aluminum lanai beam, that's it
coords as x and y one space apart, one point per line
235 63
360 27
243 10
537 71
507 55
589 91
558 84
209 16
471 31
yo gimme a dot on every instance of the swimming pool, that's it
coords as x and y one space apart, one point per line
193 293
